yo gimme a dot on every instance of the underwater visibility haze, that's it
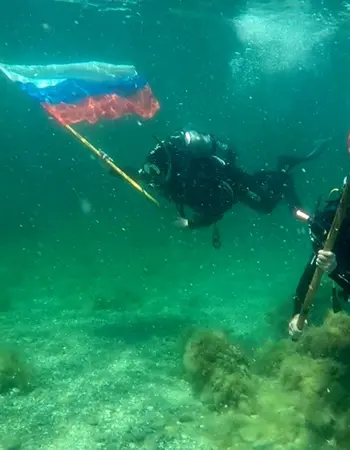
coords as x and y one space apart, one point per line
120 331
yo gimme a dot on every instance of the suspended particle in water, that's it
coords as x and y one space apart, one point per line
85 206
46 27
301 231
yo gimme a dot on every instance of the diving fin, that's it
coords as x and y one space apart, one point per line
320 146
286 163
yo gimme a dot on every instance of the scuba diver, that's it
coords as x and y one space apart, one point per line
335 263
200 172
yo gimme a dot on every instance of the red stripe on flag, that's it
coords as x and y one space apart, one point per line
93 109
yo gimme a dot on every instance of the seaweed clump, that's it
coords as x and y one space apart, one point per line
218 369
331 340
316 372
328 411
288 396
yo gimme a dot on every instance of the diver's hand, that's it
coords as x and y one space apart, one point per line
326 261
181 223
293 330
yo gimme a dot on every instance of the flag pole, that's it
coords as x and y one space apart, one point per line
110 163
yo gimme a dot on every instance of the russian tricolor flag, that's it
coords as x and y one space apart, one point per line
85 92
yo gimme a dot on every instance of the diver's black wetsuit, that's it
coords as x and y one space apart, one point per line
198 171
319 228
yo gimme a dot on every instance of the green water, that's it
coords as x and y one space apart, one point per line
97 286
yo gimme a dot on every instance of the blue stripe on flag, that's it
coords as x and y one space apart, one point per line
74 90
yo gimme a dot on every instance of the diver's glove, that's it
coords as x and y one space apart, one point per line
181 223
293 330
327 261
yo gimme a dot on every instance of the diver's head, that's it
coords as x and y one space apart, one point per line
157 167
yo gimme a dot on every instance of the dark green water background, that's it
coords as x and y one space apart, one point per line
48 243
98 288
